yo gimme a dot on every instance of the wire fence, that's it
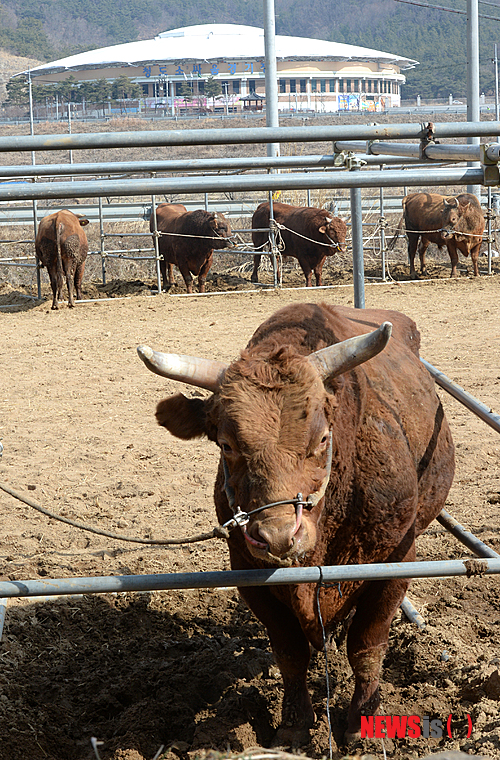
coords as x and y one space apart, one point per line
379 225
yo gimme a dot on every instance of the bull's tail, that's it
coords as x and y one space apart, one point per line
59 264
397 234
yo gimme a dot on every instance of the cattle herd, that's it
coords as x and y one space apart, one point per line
323 450
187 239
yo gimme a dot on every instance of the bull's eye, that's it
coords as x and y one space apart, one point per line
226 448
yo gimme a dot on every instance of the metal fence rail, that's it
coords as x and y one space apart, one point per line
245 578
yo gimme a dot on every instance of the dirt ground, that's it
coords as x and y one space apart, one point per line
192 670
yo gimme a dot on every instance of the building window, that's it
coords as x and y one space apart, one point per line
201 86
302 83
236 86
224 87
282 85
178 89
314 85
332 85
252 85
322 83
356 85
293 85
145 89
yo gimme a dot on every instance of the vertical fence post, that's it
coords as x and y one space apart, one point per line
35 205
382 231
38 264
101 237
488 217
156 243
272 241
357 247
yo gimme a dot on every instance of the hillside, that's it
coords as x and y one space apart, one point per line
49 29
10 65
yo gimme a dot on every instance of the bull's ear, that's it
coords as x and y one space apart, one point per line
183 417
322 229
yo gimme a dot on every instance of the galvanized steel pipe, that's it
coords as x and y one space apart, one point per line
464 536
358 271
244 578
480 409
263 182
412 613
433 151
244 136
184 166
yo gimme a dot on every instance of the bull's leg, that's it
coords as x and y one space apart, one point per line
318 271
452 250
278 268
256 264
202 276
412 249
55 285
69 273
474 255
78 280
304 265
422 248
186 275
166 284
291 650
366 645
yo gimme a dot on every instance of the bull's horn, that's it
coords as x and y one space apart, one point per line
342 357
204 373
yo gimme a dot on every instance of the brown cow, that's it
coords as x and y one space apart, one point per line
432 214
61 246
310 236
189 240
468 235
336 460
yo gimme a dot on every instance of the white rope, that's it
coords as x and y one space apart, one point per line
429 232
180 234
310 240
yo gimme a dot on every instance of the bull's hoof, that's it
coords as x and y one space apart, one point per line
291 736
352 736
54 307
254 278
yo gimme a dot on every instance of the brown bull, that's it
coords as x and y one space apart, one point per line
188 241
467 238
61 246
308 234
304 393
430 216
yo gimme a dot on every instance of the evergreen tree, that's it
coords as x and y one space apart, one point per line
213 88
124 88
17 92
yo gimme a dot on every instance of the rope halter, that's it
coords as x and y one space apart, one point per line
242 518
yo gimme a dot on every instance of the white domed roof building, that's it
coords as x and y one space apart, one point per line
313 75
